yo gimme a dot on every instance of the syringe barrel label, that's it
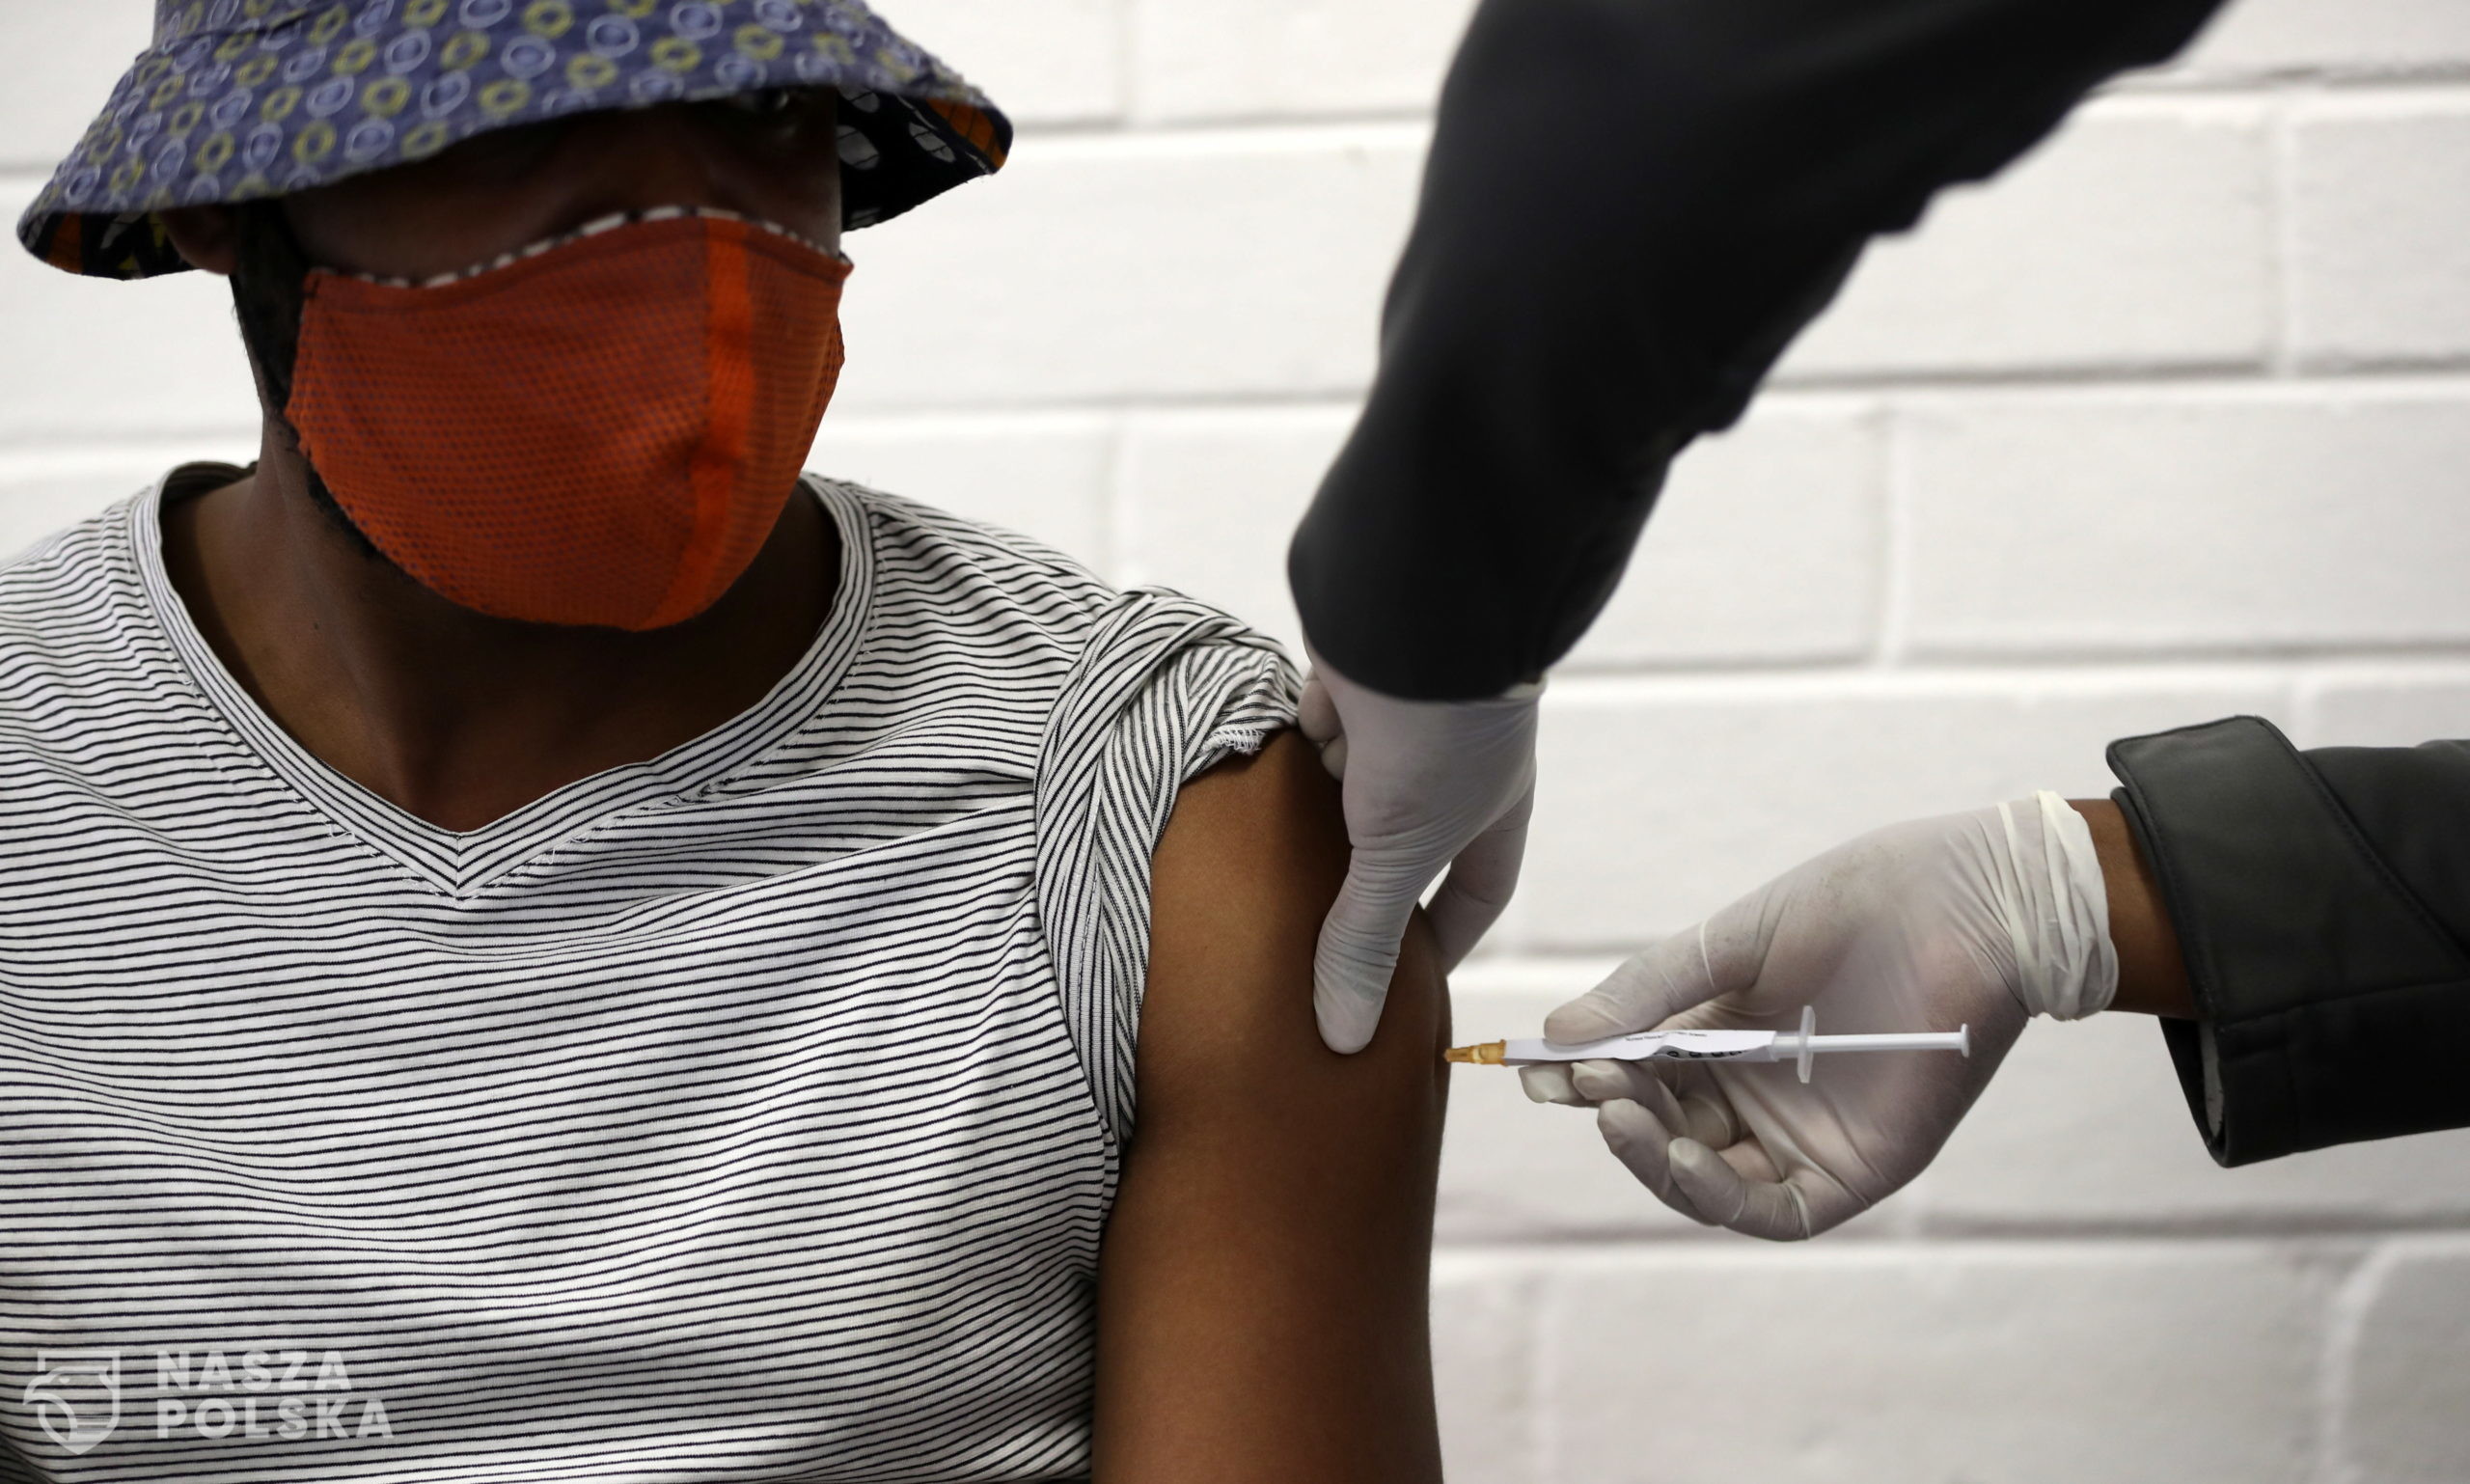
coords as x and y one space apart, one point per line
1655 1046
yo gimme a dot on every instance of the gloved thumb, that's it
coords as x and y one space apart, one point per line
1359 949
1323 727
1682 973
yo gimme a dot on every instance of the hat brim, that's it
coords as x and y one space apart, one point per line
326 92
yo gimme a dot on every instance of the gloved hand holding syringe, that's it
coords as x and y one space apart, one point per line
1979 919
1796 1047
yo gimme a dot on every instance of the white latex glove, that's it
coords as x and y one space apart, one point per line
1430 786
1980 919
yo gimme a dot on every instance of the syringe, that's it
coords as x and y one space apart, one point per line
1796 1048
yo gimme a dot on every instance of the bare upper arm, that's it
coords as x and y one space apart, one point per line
1263 1289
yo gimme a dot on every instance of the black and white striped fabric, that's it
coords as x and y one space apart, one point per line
749 1114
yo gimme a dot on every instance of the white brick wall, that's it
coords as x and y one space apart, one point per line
2399 1390
1067 284
2354 706
1223 59
1057 61
1663 797
2039 1363
2379 232
2140 241
110 361
60 67
2312 39
2172 422
2268 516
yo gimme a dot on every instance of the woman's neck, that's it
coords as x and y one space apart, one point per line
456 717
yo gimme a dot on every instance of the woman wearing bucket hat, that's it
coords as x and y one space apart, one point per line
545 943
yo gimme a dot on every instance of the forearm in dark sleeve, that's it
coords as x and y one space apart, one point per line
2322 901
1630 209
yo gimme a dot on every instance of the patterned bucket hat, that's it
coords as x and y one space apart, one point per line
238 99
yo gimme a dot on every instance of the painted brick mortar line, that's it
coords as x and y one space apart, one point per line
1127 29
1524 1342
1118 516
2128 662
1543 1380
2206 88
2434 378
2350 1253
2023 378
2193 86
2193 83
1892 392
2452 375
1608 688
27 172
2157 86
2171 82
2346 1319
2226 1227
1895 564
1891 1226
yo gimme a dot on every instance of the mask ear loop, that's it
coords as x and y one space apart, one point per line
269 290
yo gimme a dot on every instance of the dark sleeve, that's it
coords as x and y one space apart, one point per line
1631 207
2322 899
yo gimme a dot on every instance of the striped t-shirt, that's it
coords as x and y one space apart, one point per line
747 1113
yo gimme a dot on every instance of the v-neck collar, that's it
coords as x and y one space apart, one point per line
464 863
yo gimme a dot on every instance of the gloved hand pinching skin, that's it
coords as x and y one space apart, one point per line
1976 919
1428 787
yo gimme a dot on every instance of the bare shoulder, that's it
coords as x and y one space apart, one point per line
1263 1287
1248 865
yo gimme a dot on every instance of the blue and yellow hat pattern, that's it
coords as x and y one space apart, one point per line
239 100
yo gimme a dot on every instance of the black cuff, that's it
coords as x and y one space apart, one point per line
2319 980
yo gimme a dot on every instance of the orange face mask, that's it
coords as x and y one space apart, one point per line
601 433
